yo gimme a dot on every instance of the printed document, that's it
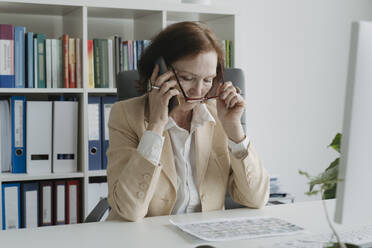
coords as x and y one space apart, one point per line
238 228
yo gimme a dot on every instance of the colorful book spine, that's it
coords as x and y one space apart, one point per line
78 62
134 54
117 56
130 55
223 47
7 56
90 64
48 63
121 59
227 54
54 65
30 59
66 81
41 60
97 63
231 54
36 67
105 63
71 62
19 57
125 56
110 64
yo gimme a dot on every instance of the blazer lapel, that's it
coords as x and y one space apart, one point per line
203 147
167 161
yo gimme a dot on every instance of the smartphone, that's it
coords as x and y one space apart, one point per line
163 68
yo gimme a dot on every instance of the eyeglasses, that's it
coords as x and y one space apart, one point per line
212 93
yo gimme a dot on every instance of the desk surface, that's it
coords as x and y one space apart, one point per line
159 232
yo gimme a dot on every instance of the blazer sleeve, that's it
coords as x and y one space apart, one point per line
131 178
249 182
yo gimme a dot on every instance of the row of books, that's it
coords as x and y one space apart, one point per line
43 203
99 108
108 57
31 60
43 136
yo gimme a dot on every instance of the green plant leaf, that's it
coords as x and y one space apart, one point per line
304 174
333 164
312 192
336 142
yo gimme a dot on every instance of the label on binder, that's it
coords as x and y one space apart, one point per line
107 110
47 201
73 204
61 203
11 207
6 65
31 209
93 120
18 123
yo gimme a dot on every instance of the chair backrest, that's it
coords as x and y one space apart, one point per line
98 211
126 88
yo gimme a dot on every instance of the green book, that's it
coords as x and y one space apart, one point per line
40 62
231 54
105 64
97 63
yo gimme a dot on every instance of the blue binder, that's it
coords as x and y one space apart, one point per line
30 205
107 102
94 133
8 213
19 57
30 59
18 112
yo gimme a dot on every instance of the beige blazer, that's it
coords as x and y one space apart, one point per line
138 188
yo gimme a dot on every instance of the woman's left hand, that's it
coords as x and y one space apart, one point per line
230 108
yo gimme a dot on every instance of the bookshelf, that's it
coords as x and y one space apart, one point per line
136 20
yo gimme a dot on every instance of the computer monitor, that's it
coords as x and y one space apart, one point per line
354 192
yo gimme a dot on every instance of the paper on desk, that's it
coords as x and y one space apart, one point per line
238 228
295 244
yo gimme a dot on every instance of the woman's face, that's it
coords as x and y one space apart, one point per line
196 76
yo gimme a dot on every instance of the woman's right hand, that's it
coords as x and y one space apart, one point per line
159 99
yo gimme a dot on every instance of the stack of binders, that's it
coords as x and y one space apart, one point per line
44 136
98 115
43 203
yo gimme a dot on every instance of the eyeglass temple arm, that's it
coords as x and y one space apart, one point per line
178 82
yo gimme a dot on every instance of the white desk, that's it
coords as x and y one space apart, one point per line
158 232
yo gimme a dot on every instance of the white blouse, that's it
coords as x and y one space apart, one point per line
183 144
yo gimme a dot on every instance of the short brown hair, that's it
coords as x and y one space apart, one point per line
177 41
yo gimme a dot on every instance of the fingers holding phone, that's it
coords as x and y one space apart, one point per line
159 99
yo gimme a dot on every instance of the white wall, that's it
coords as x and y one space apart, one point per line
296 56
295 60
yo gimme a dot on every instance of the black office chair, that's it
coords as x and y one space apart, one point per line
98 211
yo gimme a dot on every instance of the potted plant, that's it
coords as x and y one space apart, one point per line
326 184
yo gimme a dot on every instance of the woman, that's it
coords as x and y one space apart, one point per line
162 163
